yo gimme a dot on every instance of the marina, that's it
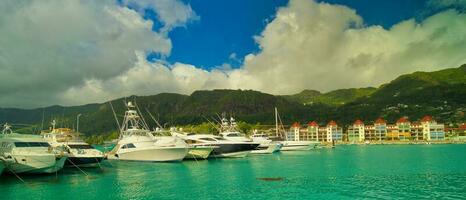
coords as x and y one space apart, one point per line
345 172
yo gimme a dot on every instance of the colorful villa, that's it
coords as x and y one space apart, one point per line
403 130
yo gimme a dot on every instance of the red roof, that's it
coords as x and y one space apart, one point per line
402 120
332 123
380 121
296 125
313 123
462 127
358 122
427 118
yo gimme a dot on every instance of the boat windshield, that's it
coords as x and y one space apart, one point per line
32 144
207 139
80 146
234 135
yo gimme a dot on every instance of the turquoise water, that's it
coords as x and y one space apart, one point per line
346 172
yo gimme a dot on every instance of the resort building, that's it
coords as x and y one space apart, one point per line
380 129
369 132
313 131
416 131
334 133
297 134
356 132
392 132
431 130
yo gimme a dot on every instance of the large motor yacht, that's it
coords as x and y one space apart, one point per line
223 148
80 153
29 153
137 142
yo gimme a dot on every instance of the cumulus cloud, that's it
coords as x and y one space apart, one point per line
92 51
46 47
439 4
325 47
171 13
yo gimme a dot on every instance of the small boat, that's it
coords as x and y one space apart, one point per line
80 153
292 143
199 152
3 163
29 153
266 146
298 145
137 142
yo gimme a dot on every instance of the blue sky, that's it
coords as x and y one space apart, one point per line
227 27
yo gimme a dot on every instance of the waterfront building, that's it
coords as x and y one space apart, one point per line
322 133
380 129
369 132
293 134
334 133
392 132
356 132
313 131
431 130
297 133
416 131
404 128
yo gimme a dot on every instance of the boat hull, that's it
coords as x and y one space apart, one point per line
2 167
36 164
83 161
298 145
271 148
199 152
166 154
233 150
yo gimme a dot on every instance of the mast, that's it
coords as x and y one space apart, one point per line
276 122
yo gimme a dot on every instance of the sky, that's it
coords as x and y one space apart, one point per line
73 52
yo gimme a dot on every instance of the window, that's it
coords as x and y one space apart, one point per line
31 144
207 139
233 135
80 146
127 146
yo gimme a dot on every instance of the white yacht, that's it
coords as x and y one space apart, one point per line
223 148
29 153
196 150
266 146
80 153
291 140
137 142
229 131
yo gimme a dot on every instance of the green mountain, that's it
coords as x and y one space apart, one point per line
332 98
439 93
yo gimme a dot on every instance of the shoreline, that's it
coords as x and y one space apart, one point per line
394 143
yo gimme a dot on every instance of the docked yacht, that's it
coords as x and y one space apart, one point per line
196 150
223 148
137 142
80 153
291 140
266 146
229 131
29 153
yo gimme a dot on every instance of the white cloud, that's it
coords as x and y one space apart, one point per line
438 4
75 52
320 46
170 12
46 47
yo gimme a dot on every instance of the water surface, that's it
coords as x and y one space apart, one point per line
346 172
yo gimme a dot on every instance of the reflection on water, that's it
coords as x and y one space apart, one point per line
346 172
